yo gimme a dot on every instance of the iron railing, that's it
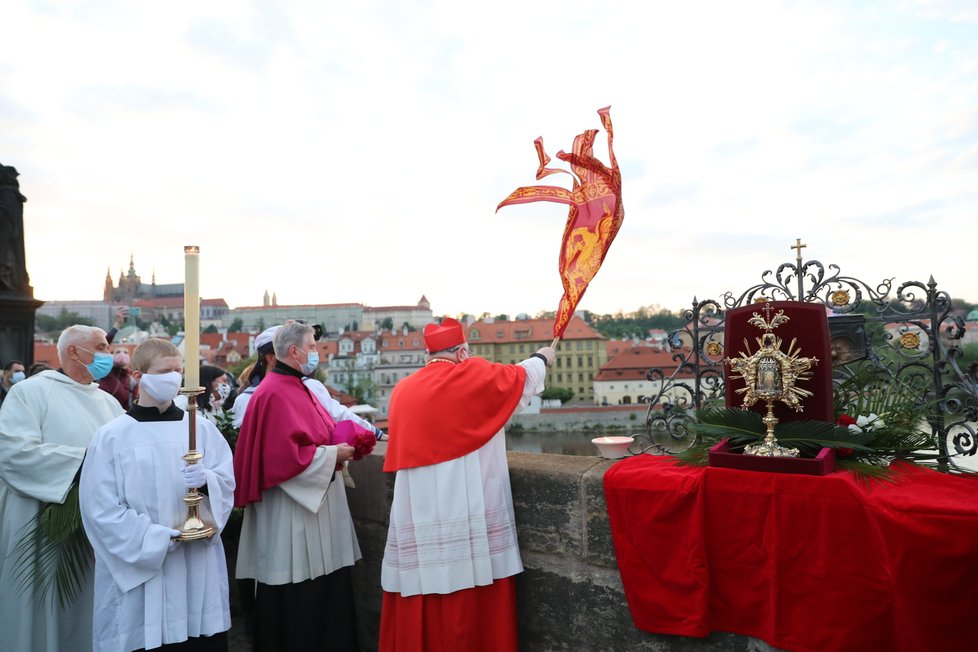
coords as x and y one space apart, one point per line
907 335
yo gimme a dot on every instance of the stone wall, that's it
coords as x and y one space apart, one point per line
570 595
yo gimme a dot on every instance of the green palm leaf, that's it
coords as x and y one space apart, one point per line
53 556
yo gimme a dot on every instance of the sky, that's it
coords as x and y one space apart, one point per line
356 152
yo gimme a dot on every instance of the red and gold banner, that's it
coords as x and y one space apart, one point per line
595 214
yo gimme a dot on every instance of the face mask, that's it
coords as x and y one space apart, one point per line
312 361
17 376
100 366
161 387
224 390
120 359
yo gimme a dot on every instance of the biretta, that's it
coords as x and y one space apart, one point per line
438 337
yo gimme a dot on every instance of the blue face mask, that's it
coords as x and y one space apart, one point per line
17 376
100 366
312 361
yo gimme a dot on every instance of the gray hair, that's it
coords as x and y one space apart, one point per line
74 335
291 333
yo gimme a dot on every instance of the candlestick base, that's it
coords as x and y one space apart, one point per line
193 527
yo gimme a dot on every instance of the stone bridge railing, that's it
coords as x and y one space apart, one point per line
570 595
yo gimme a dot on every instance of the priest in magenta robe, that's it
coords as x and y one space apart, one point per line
297 538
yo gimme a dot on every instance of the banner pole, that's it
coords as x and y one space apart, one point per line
553 345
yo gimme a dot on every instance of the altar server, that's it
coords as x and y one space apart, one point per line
46 423
151 590
451 552
297 538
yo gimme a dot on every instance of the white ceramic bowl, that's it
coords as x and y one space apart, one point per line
613 448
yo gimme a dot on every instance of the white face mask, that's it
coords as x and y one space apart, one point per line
224 390
161 387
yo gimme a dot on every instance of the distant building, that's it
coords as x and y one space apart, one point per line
415 317
334 317
401 354
580 353
131 288
623 380
99 313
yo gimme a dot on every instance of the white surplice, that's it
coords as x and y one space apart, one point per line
46 423
452 524
147 595
301 529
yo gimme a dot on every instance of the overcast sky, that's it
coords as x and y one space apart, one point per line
355 152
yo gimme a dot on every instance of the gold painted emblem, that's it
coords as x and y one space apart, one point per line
714 349
910 341
840 298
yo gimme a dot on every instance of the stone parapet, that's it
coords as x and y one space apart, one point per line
570 595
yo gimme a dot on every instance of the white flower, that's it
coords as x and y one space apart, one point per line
868 424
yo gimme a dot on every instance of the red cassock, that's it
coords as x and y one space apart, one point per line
438 414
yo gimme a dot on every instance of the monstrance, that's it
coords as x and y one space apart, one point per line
770 375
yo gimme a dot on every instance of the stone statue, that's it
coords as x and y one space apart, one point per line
13 268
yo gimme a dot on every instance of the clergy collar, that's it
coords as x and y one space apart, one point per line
284 369
143 413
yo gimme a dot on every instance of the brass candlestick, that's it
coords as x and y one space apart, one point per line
193 527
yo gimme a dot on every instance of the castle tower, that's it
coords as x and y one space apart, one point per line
265 301
108 290
274 299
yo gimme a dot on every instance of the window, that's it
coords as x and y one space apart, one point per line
474 334
580 345
590 361
580 390
626 399
580 361
559 362
590 345
580 378
522 348
560 378
512 348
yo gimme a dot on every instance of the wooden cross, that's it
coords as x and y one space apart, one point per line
798 246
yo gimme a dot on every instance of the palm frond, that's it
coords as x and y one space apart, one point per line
53 557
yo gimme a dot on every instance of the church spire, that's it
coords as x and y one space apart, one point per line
264 301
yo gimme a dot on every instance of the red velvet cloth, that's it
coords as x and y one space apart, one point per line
806 563
282 428
808 323
482 618
447 410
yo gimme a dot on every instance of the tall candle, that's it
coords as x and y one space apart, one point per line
191 317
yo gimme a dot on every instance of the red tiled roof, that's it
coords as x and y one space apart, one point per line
534 330
634 363
327 348
398 342
241 341
345 399
47 353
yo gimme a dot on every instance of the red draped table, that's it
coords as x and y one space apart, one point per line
803 562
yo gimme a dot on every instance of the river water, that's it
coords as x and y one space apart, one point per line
561 443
